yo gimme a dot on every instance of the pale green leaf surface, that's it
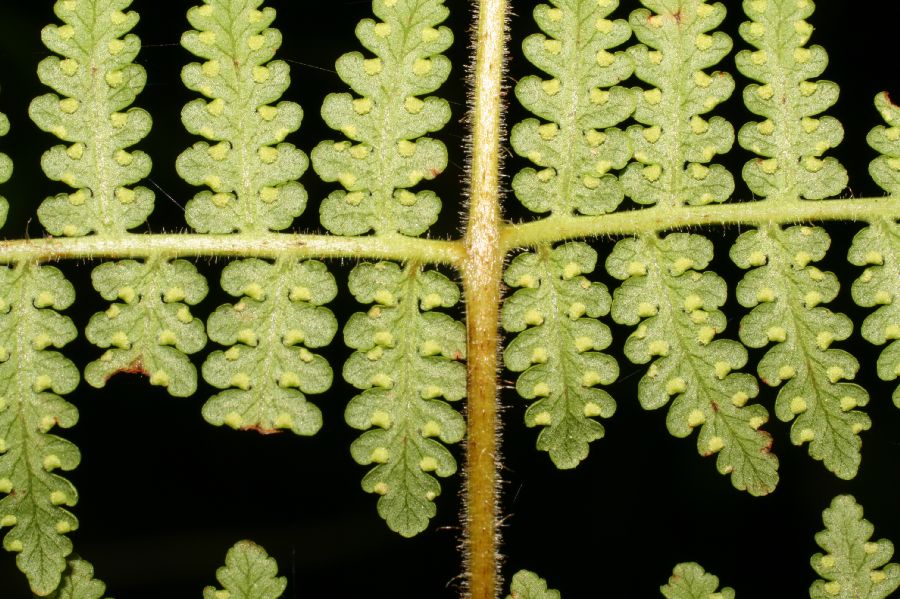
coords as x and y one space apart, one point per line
93 39
885 169
249 171
528 585
78 582
6 168
151 330
578 146
387 153
690 581
877 247
556 315
853 567
267 369
674 144
248 573
786 293
32 378
790 140
408 359
675 306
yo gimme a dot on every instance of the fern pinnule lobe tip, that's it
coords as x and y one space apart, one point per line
528 585
865 568
248 573
690 581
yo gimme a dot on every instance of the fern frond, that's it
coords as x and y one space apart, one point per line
6 168
152 329
387 152
407 357
690 581
878 248
677 307
557 349
853 567
786 293
248 573
78 582
578 145
98 80
528 585
267 367
250 172
790 140
672 150
885 169
32 378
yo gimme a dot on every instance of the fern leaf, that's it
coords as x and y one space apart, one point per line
885 169
249 170
6 168
248 573
528 585
578 145
387 152
267 367
853 567
689 581
152 329
672 150
677 308
786 294
98 81
32 378
790 140
557 349
407 358
79 582
878 248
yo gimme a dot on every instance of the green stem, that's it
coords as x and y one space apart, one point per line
266 245
482 272
452 253
661 218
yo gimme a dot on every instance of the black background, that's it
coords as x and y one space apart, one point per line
163 494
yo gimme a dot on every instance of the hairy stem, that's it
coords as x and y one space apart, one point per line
482 272
264 245
452 253
661 218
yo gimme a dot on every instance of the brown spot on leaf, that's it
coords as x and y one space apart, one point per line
136 367
261 429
